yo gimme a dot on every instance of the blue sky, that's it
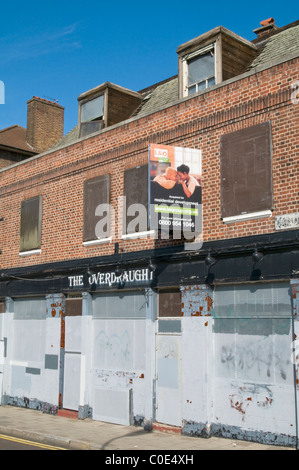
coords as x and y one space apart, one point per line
59 49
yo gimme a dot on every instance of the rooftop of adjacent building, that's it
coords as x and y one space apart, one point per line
41 117
15 137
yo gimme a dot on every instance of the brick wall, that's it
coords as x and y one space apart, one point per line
196 122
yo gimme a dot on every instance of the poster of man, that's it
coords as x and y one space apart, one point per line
175 188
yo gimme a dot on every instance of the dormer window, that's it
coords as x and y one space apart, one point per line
211 58
200 70
104 106
91 115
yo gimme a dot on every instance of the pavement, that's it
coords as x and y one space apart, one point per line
88 434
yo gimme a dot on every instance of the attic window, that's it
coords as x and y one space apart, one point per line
200 70
93 109
212 58
92 116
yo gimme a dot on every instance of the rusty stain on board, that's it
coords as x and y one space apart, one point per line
209 303
237 406
257 395
196 301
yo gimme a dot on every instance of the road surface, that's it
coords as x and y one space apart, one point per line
14 443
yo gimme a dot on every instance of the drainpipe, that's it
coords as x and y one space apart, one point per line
295 306
151 314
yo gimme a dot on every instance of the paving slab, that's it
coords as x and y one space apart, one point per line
88 434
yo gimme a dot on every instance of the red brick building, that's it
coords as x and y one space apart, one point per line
130 327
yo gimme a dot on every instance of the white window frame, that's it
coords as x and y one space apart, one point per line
202 51
102 117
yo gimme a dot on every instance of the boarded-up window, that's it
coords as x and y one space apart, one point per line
170 303
246 171
253 333
136 199
2 306
125 305
33 308
31 220
73 307
96 210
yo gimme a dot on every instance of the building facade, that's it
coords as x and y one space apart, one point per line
105 316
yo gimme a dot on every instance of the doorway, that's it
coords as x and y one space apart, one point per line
169 359
71 338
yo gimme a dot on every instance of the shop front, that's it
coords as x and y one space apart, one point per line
87 348
174 344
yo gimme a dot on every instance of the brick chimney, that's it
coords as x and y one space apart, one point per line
267 27
45 122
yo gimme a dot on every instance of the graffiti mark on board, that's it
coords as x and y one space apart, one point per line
113 350
261 359
251 394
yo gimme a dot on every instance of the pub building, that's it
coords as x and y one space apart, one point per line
111 314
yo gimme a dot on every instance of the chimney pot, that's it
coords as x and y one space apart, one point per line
266 28
268 21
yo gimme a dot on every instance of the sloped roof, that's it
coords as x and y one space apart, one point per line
67 139
155 98
278 46
158 97
14 137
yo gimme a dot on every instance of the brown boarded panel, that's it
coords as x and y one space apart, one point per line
136 192
2 307
246 171
170 303
73 307
96 192
31 217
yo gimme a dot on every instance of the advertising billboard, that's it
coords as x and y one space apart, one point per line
175 188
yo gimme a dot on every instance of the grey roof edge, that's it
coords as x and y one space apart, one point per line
215 32
146 90
249 73
105 85
13 126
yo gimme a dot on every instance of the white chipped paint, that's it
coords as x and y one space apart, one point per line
237 381
169 380
82 380
119 357
196 369
28 343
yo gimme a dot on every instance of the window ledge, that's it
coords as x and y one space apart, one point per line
249 216
100 241
130 236
29 253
